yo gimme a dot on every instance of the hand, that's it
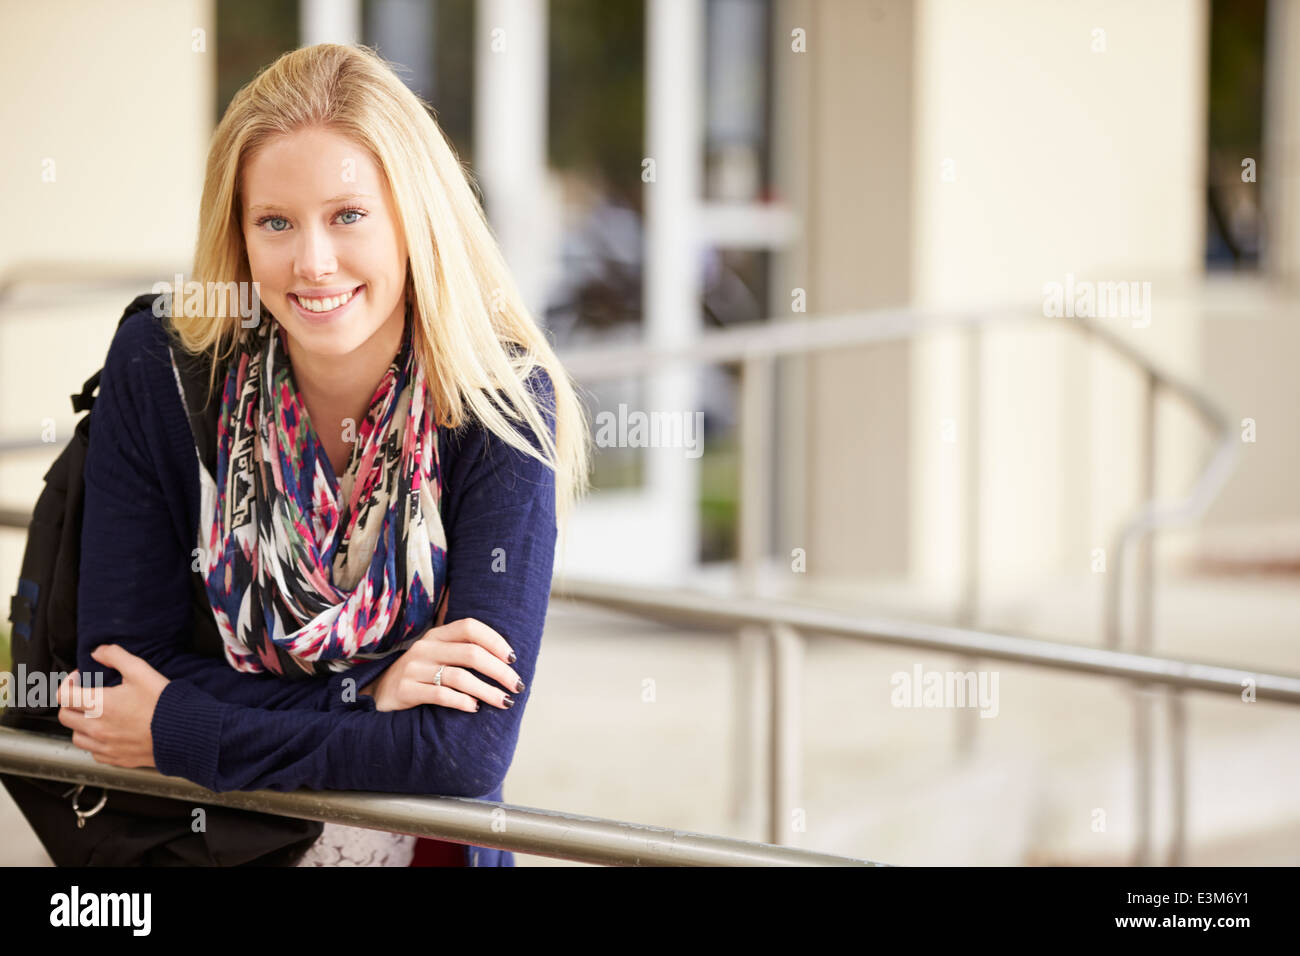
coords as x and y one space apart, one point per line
114 723
466 643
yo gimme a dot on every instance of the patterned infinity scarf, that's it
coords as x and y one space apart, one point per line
308 576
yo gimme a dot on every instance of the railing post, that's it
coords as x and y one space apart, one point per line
1143 564
1144 768
1178 775
754 455
972 544
755 497
1143 776
968 615
749 720
785 770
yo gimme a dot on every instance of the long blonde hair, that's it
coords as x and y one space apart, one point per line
471 328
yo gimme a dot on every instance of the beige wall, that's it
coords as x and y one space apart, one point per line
117 97
856 254
1280 171
1066 161
114 94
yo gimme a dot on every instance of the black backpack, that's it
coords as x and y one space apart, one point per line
125 829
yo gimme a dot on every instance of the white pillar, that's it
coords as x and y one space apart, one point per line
672 276
329 21
510 134
1279 174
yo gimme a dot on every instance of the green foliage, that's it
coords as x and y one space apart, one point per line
617 468
720 499
597 127
1237 72
250 35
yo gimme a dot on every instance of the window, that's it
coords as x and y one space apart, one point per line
1233 211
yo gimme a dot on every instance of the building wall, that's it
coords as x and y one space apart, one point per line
856 255
117 96
1038 157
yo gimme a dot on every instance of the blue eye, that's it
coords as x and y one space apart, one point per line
350 211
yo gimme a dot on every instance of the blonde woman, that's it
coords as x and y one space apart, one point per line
397 448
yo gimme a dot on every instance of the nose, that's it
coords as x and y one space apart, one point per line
315 257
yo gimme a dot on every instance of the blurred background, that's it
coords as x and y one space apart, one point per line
831 228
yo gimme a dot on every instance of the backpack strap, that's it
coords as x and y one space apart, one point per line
203 409
193 371
84 400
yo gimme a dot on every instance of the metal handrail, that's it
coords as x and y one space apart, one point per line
713 612
791 336
755 347
816 334
65 273
85 272
484 823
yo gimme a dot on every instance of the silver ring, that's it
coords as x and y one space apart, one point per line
437 678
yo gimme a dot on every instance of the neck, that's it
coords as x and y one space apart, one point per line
338 387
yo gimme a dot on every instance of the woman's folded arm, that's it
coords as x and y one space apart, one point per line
420 750
500 561
134 574
227 730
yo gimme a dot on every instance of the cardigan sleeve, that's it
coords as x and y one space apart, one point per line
501 535
134 575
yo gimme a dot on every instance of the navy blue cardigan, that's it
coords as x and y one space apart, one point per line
228 730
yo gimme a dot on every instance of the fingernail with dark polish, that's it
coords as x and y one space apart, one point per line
509 701
519 687
512 658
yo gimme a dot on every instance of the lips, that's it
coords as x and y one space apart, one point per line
324 305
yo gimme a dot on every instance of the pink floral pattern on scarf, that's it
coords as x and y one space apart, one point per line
309 574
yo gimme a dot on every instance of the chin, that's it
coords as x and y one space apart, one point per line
334 342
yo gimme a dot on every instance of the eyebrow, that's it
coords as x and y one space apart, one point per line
256 207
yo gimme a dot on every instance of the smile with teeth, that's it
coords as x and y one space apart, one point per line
324 305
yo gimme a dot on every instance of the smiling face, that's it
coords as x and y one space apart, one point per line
325 245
